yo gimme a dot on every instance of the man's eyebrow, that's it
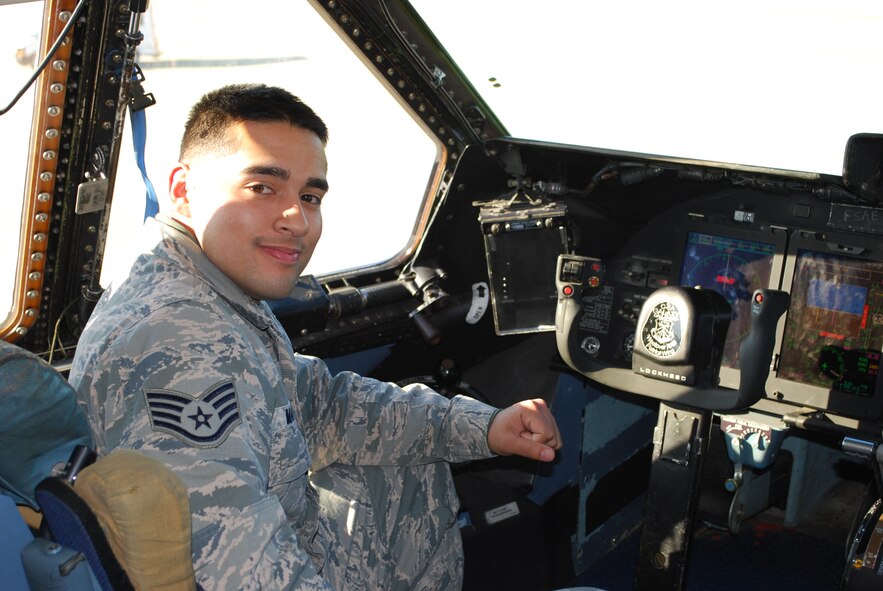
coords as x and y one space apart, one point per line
267 171
317 183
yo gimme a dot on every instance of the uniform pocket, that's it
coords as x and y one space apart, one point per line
289 462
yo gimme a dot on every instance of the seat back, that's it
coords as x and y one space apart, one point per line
42 423
73 525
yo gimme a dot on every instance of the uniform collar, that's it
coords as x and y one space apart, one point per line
184 242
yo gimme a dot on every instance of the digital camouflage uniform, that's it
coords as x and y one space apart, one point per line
178 363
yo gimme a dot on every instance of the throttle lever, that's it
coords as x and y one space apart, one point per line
756 350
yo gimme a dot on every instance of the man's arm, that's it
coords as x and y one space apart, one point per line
359 420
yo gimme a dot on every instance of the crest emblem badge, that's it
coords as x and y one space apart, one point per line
204 421
661 335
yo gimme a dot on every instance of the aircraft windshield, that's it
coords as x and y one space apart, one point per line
379 158
776 84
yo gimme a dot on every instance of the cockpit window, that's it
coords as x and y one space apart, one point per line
19 48
775 84
380 159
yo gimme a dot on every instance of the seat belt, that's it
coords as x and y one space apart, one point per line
137 103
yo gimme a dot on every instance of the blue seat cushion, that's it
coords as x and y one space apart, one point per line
41 422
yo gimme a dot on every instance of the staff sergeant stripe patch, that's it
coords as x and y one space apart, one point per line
204 421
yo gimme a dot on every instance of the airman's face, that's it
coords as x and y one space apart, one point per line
256 212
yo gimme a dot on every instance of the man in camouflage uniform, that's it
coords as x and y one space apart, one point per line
297 478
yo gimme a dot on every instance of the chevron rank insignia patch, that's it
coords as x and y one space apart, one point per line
204 421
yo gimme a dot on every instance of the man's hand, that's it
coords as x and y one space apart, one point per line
526 429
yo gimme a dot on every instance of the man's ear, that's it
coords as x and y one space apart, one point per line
178 190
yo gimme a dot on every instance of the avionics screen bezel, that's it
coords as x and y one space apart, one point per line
807 394
772 235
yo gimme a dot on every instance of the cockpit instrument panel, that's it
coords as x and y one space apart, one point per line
734 263
827 350
831 344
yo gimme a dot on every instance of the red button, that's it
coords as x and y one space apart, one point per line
758 298
568 290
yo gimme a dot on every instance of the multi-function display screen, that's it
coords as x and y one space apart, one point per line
834 332
733 267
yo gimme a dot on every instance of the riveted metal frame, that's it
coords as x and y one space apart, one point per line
42 177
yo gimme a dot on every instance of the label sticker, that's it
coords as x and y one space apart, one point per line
501 513
480 298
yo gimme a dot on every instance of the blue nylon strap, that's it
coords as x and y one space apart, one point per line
139 140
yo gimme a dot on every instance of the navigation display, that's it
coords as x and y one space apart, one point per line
733 267
834 331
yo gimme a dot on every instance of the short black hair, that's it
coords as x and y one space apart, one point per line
216 111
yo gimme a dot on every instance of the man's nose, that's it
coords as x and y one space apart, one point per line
294 220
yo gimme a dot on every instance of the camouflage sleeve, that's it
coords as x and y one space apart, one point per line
359 420
187 387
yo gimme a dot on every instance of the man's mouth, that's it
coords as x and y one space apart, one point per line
283 254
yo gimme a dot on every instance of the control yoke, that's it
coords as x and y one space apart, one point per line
678 340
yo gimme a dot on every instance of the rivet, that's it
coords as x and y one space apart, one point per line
21 330
32 294
44 197
390 72
59 65
54 111
56 87
52 133
30 313
107 125
46 176
34 275
368 46
39 237
356 32
41 218
64 16
378 59
49 155
36 257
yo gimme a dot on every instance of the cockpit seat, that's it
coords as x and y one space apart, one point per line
42 423
127 515
126 510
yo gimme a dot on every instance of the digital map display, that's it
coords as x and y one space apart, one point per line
834 330
733 267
